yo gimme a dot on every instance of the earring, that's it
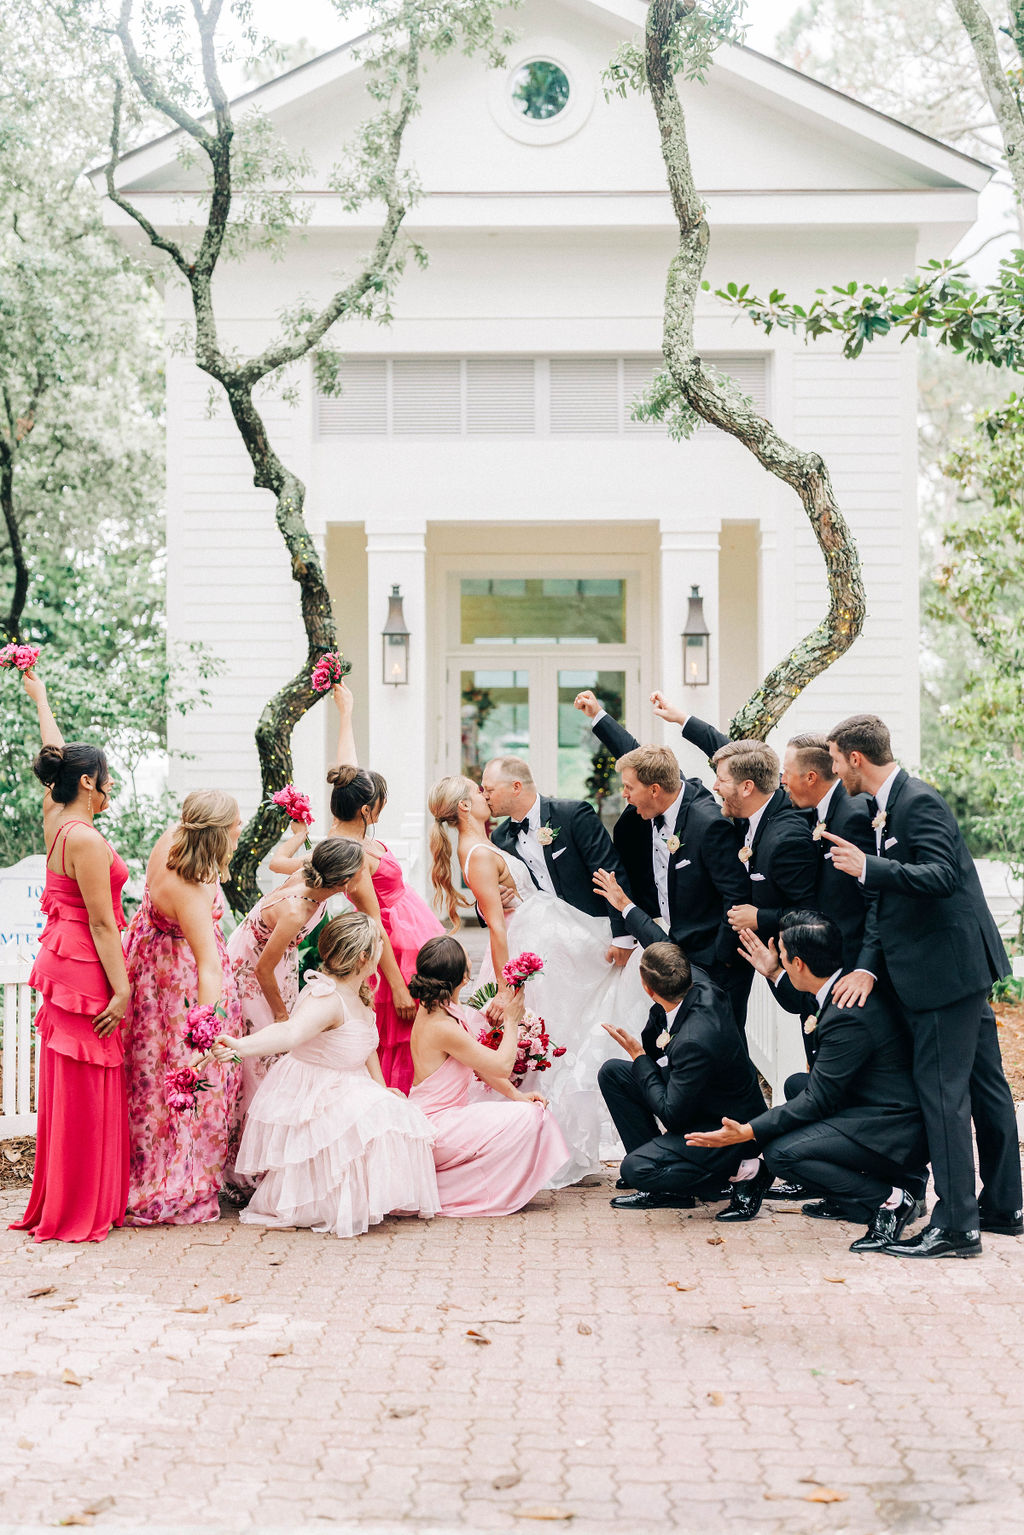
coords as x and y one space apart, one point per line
90 802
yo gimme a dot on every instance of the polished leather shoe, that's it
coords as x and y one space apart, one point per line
620 1183
786 1190
644 1201
748 1196
937 1242
824 1210
886 1226
1004 1223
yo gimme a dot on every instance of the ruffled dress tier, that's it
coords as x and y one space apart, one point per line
491 1157
80 1184
338 1152
177 1159
409 923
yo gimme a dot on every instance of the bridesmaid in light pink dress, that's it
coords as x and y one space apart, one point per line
491 1158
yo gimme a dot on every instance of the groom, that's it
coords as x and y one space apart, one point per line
561 842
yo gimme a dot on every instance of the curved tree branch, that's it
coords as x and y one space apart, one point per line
805 472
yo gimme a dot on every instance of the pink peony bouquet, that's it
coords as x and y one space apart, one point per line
327 671
534 1045
203 1024
295 805
24 657
518 971
182 1089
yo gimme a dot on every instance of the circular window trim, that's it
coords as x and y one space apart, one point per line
550 130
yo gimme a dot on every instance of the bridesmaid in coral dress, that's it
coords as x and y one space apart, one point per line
80 1182
176 957
491 1158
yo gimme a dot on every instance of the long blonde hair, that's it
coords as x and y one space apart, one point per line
344 942
200 849
443 803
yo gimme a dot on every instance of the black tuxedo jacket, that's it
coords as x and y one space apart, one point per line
708 1075
836 894
782 872
928 922
705 877
581 847
860 1081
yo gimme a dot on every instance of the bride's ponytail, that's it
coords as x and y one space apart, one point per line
443 803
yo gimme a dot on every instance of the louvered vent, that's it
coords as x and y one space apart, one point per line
362 406
584 395
499 395
637 373
426 396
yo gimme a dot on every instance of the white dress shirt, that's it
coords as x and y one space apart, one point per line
660 855
530 850
669 1020
881 800
821 808
748 840
821 997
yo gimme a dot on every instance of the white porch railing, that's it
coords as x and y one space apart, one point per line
774 1038
20 1067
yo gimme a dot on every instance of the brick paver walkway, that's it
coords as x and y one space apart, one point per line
637 1373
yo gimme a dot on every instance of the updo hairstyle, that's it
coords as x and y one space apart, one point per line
61 769
441 968
345 942
200 849
332 863
352 790
443 803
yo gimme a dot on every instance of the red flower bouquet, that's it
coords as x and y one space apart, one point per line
534 1045
24 657
518 971
295 805
327 671
182 1089
203 1024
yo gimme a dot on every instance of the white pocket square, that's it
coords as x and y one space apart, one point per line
891 841
757 876
662 1060
561 850
684 863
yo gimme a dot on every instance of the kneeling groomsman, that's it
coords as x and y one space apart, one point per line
852 1128
939 949
691 1062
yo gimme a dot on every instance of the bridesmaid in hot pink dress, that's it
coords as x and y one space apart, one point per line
80 1182
176 956
491 1158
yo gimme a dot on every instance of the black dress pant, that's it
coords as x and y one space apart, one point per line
657 1162
735 981
828 1162
958 1074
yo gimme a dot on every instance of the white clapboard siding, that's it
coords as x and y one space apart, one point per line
20 1066
500 395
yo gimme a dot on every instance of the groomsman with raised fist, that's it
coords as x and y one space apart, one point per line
934 940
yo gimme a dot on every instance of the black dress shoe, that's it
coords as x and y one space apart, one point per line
786 1190
748 1196
938 1242
825 1210
643 1201
886 1226
620 1183
1004 1223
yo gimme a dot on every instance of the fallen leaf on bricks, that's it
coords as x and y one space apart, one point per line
229 1298
584 1329
239 1326
847 1380
387 1327
100 1506
192 1310
751 1306
674 1284
507 1479
476 1337
281 1352
825 1495
76 1519
46 1289
64 1305
275 1263
716 1241
716 1398
69 1378
833 1279
559 1360
543 1513
402 1412
26 1444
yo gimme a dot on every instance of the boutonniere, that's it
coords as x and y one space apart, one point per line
745 854
546 834
663 1039
819 831
879 821
811 1023
673 844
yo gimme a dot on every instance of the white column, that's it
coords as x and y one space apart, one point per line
689 557
398 715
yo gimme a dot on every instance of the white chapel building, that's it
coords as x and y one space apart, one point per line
482 457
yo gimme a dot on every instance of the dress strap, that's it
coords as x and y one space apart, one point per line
64 830
491 848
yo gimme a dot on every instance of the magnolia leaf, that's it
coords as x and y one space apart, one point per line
674 1284
506 1479
282 1351
476 1337
825 1495
402 1412
69 1378
716 1398
229 1298
716 1241
583 1329
833 1279
543 1512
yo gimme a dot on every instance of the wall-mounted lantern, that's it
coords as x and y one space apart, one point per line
396 642
696 643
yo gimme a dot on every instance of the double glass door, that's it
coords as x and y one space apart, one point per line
518 705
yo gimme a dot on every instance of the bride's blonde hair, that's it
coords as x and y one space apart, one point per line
443 803
200 849
344 944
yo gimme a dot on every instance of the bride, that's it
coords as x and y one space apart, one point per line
575 993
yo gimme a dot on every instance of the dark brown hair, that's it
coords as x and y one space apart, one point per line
440 971
666 970
750 759
813 755
864 733
61 769
351 789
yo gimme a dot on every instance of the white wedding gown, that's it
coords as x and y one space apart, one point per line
575 993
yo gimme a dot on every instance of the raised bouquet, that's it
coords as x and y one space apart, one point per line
515 975
24 657
295 805
327 671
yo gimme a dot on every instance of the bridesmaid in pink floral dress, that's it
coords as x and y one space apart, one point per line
176 956
264 952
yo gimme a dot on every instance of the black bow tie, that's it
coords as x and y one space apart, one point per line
659 821
657 1014
744 827
520 826
872 806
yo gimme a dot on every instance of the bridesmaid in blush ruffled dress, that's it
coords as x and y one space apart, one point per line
80 1182
176 957
491 1158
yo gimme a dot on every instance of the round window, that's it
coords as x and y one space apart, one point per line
540 90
